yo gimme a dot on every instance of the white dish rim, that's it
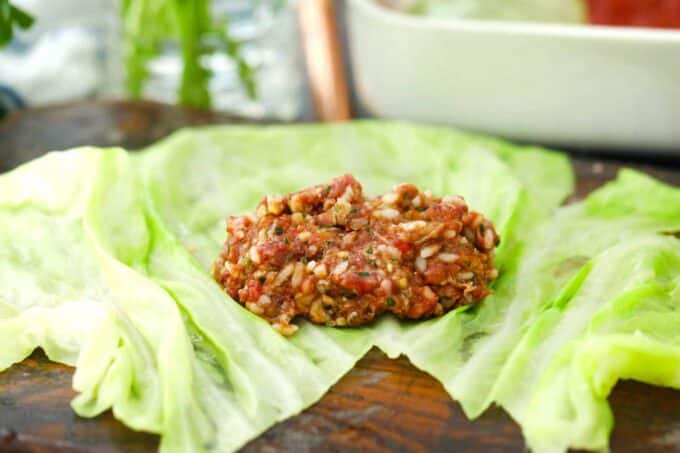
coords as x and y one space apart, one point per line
541 29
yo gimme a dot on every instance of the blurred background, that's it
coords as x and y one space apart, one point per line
238 56
589 73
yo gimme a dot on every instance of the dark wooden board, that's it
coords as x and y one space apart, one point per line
380 405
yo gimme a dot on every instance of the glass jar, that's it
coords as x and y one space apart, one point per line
64 56
266 31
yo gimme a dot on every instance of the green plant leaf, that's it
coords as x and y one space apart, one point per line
153 26
10 17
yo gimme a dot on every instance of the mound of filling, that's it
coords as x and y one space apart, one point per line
335 257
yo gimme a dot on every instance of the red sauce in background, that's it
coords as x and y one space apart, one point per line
636 13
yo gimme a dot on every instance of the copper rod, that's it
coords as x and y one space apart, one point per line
323 57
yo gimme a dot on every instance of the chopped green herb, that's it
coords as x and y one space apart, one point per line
278 230
354 211
262 279
468 262
390 302
364 274
369 250
304 260
286 240
349 295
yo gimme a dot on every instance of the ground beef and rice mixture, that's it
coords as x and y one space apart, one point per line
331 255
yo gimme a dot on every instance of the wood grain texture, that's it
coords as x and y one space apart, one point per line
29 134
381 405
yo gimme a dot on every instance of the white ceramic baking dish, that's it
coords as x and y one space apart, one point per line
568 85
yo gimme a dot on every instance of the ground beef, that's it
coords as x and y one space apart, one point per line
331 255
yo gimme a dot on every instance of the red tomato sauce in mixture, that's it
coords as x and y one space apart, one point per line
335 257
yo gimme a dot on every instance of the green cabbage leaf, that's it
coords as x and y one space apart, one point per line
105 258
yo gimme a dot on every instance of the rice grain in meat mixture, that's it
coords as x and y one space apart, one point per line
331 255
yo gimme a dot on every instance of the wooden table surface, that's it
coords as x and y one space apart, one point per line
380 405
